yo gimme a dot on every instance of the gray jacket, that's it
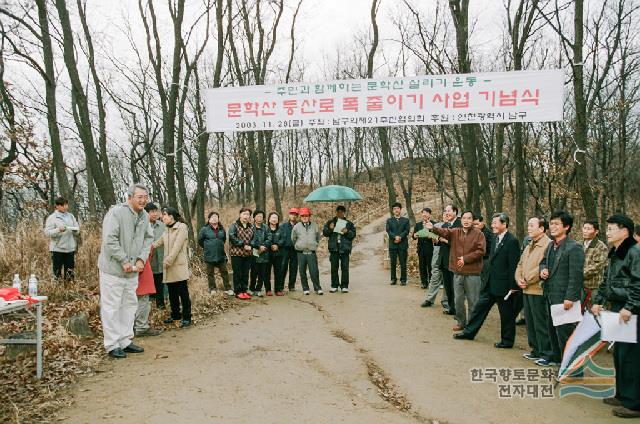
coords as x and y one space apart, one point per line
62 241
158 228
126 237
305 238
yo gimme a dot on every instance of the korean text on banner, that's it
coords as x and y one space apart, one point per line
517 96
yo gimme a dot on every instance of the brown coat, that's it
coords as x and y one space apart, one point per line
469 245
176 254
529 265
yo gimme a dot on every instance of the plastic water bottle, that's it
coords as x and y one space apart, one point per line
33 286
17 284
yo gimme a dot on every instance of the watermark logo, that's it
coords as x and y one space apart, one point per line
600 383
518 383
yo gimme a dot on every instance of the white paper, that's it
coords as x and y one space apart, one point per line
509 294
560 316
340 225
614 330
256 252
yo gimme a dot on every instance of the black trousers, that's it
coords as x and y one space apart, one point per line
289 265
159 296
537 318
275 267
66 260
394 255
626 357
447 283
259 276
179 294
558 336
211 274
309 261
339 261
424 265
241 266
507 316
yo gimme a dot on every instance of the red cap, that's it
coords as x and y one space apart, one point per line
293 210
305 212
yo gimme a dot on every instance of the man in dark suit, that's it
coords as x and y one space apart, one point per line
501 281
561 269
398 230
488 236
451 221
425 249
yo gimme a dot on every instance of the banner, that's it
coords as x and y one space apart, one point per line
483 98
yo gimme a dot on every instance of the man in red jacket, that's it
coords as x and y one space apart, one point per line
465 261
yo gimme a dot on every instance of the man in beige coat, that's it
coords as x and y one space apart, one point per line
528 278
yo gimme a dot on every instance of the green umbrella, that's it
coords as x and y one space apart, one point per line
333 193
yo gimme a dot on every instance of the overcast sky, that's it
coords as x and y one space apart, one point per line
322 26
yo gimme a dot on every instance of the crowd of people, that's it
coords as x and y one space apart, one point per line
145 251
479 268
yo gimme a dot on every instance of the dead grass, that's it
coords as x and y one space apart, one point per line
24 250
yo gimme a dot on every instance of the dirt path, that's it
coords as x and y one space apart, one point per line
315 359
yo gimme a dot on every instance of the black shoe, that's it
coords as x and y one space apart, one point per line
426 304
521 321
133 349
185 323
612 401
424 286
449 312
117 353
463 336
393 283
501 345
168 321
403 283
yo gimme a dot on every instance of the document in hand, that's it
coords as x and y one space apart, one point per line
255 252
560 316
426 233
615 330
341 224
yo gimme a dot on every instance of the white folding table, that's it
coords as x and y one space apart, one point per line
23 305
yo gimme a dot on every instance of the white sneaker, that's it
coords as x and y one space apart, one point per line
212 292
320 292
230 293
344 290
306 292
333 289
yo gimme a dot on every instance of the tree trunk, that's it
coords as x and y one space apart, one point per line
586 193
81 108
52 114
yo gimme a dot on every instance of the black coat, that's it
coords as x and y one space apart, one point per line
261 237
621 286
565 279
425 244
398 227
285 229
346 240
503 262
445 249
488 237
277 238
213 245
